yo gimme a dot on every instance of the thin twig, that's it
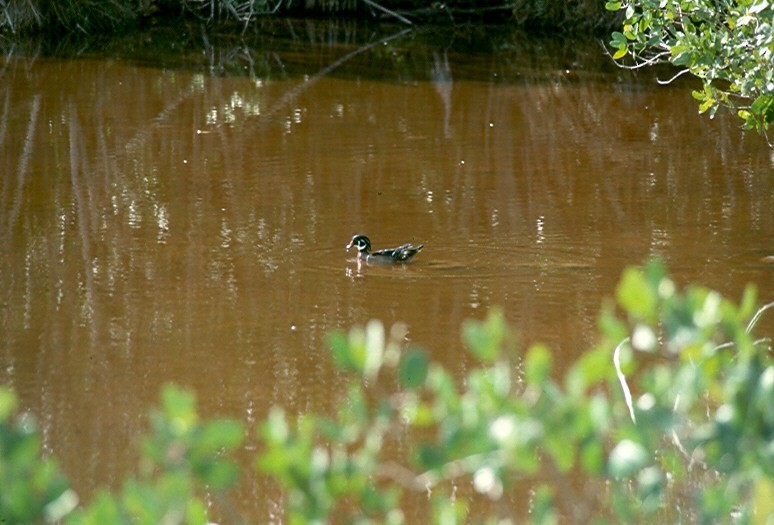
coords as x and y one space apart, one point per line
757 316
655 59
389 12
678 74
622 378
35 12
676 441
8 17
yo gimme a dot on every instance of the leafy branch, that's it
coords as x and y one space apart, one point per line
728 45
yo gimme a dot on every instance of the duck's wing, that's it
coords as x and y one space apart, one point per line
408 251
401 253
392 253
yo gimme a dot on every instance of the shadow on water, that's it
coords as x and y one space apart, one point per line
290 49
174 206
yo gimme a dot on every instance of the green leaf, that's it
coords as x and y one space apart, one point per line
590 368
342 354
374 348
179 407
543 508
627 458
102 509
8 403
762 104
413 369
224 433
684 58
763 496
650 486
620 53
196 512
485 339
636 295
618 41
592 457
357 406
276 429
747 304
613 6
610 326
221 475
429 456
537 365
561 449
708 103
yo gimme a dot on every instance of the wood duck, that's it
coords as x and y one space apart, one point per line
401 254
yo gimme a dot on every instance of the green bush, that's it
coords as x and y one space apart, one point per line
728 45
32 489
669 419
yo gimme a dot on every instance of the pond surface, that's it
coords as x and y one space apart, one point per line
177 211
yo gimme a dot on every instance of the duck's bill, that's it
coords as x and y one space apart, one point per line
349 246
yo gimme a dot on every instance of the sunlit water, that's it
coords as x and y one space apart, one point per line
182 218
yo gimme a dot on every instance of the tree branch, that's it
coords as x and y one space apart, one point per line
383 9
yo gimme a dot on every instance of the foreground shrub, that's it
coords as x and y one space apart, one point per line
32 489
690 440
670 419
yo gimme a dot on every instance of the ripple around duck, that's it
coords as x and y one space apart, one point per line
472 260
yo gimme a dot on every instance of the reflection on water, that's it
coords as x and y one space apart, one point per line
183 219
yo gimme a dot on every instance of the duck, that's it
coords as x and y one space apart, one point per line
401 254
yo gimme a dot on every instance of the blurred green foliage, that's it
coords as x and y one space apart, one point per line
670 419
183 460
728 45
32 489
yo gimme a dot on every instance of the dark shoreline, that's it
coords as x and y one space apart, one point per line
88 19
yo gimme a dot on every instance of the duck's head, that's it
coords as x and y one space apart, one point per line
361 242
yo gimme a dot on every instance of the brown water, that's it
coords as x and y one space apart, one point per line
183 216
